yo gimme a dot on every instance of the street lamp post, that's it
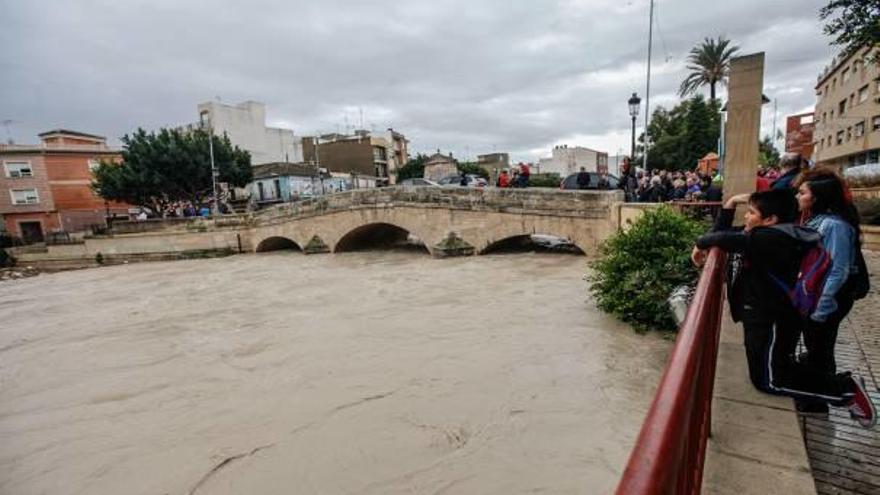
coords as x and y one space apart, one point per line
634 103
216 209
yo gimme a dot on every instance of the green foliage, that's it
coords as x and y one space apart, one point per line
545 180
99 258
6 259
768 155
472 168
638 268
682 136
853 24
414 168
709 64
869 210
168 166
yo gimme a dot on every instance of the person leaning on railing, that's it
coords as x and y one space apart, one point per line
770 244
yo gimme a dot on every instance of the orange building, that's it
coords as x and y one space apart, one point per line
46 187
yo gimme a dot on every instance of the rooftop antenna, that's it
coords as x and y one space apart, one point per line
361 110
9 139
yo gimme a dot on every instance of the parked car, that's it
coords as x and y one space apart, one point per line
472 181
570 182
418 182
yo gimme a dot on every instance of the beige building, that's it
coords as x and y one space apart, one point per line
847 116
363 153
439 166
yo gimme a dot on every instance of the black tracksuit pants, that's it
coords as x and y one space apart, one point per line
770 350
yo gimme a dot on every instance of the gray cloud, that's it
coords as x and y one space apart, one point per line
470 77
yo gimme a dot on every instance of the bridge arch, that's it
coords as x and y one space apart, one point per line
277 243
377 235
528 241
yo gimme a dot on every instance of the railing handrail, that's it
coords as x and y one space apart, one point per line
669 452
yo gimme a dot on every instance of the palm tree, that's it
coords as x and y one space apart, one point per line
709 63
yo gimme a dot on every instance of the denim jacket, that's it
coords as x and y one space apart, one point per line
838 238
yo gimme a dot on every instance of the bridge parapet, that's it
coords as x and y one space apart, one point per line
535 201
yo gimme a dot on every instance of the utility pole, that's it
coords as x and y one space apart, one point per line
215 211
648 86
773 132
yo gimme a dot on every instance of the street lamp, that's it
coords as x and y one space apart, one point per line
634 103
207 123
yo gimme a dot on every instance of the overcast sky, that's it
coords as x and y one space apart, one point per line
468 76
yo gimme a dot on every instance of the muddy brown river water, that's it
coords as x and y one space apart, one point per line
358 373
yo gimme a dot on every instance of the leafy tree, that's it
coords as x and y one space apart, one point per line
709 63
768 155
168 166
414 168
852 23
639 267
681 136
472 168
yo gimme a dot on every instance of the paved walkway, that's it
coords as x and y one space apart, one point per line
845 458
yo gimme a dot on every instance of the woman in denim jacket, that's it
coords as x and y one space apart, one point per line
822 200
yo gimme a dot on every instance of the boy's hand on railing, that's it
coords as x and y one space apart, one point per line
739 199
698 256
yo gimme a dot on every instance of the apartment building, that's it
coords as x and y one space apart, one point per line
363 153
245 124
567 160
46 187
847 115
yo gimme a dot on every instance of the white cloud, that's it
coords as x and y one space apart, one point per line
459 75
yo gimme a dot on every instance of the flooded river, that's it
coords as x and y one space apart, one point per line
279 373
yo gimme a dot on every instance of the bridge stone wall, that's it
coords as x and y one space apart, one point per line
476 217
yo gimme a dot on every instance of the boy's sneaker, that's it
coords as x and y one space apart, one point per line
861 408
811 408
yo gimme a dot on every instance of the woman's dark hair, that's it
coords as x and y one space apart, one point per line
830 196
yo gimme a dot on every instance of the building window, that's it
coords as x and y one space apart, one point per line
873 156
860 129
841 107
17 170
863 94
844 76
839 137
875 123
24 196
849 133
824 117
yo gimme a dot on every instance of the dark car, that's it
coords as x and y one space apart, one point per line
570 182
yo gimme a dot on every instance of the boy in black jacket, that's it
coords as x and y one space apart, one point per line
769 243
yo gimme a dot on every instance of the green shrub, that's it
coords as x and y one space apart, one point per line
6 259
869 210
637 269
99 258
545 180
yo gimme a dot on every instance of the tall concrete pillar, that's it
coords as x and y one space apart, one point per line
743 123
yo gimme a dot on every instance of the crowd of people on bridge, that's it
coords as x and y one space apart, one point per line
797 269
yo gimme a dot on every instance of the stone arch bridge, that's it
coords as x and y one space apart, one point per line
449 221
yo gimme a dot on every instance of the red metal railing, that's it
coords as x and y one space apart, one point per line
669 453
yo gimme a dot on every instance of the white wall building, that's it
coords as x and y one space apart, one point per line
245 124
567 160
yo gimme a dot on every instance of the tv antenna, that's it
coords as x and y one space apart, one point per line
6 123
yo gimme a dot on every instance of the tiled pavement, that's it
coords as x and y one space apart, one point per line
845 458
